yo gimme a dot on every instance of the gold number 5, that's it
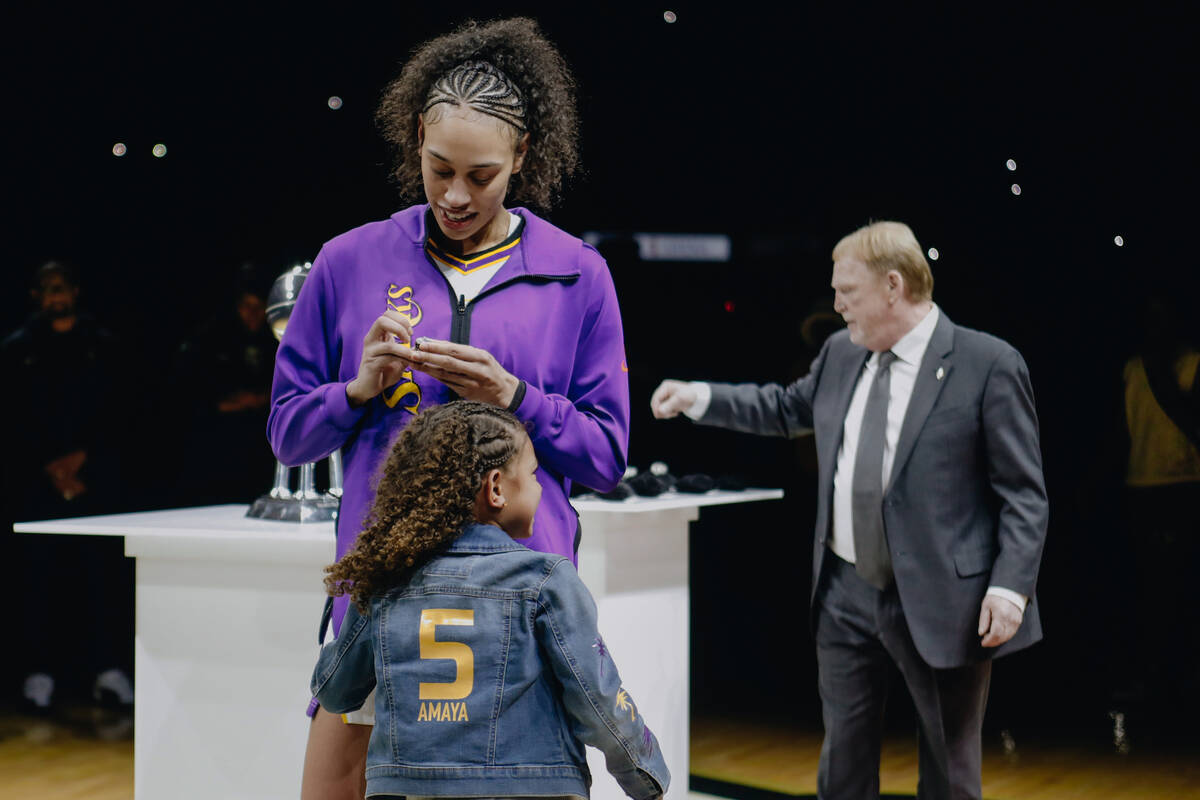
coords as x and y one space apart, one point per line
457 652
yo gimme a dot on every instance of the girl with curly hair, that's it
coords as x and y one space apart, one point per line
458 296
492 672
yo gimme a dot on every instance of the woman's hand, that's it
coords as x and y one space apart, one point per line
386 355
473 373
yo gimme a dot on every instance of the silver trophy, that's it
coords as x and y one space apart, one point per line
304 503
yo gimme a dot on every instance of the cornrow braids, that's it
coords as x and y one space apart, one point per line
494 441
482 87
425 494
517 50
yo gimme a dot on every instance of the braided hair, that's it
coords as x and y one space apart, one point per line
425 495
480 86
506 69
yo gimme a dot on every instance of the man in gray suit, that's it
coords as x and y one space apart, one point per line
931 515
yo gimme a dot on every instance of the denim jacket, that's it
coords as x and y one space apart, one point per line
491 677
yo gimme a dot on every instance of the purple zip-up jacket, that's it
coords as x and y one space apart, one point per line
549 316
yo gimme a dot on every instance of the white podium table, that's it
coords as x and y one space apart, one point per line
227 615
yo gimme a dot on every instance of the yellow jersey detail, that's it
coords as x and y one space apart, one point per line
461 654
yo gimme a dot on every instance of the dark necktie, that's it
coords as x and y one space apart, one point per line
871 557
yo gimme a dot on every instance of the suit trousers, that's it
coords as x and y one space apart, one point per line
859 631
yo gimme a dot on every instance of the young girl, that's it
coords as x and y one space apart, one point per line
488 669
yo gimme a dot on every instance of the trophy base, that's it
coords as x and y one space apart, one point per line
323 509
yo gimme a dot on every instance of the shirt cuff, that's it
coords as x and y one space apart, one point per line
703 398
337 405
1017 599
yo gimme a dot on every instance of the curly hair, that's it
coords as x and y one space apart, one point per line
518 53
425 495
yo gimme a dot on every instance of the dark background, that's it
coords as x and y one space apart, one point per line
784 129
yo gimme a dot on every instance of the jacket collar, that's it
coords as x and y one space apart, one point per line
539 237
912 345
477 538
931 377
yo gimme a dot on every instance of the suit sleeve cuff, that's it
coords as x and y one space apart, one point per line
703 397
1016 598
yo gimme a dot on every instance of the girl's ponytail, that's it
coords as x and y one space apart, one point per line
425 494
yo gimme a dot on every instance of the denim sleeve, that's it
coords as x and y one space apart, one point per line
600 710
345 671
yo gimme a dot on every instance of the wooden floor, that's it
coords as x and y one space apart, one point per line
783 759
89 754
80 754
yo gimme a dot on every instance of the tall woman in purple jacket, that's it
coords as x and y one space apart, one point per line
458 296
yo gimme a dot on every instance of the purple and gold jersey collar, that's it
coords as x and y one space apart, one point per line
492 257
556 253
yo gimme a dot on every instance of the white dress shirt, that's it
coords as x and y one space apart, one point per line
908 351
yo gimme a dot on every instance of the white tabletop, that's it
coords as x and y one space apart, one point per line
672 499
221 533
230 521
215 521
226 533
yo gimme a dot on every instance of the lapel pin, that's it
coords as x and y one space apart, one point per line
941 373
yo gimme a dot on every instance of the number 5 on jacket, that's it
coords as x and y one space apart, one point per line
459 653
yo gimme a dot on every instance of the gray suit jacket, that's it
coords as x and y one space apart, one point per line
966 507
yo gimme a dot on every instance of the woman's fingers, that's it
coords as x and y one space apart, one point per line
460 352
447 375
388 347
385 357
426 361
471 372
389 324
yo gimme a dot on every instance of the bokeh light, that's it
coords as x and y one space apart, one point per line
119 149
159 150
1012 165
1119 241
334 102
670 16
1016 188
933 254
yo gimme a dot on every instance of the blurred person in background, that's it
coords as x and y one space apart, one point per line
223 370
63 420
1162 507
